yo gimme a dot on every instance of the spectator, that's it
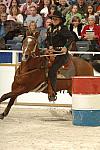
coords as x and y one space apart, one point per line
82 7
8 28
91 26
76 27
52 9
6 3
25 7
64 6
34 17
40 5
90 11
15 15
43 33
73 12
2 9
2 25
45 10
95 37
12 3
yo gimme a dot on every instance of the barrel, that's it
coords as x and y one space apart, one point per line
86 101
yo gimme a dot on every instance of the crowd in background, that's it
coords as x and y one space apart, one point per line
19 18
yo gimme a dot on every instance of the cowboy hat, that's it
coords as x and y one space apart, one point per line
58 14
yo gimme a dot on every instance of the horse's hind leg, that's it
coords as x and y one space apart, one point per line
7 109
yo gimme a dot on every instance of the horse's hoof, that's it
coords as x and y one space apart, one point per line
52 98
1 116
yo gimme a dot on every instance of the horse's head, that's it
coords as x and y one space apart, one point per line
29 48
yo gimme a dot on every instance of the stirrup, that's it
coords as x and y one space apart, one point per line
52 98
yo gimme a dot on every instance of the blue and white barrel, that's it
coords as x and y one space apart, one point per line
86 101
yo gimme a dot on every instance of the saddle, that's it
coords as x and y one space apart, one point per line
66 71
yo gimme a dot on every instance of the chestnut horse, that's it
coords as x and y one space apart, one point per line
31 74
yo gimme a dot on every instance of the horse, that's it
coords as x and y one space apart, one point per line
31 73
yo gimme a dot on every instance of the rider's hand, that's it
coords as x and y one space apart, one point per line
46 51
51 50
64 50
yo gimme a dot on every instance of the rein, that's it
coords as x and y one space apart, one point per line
33 51
51 55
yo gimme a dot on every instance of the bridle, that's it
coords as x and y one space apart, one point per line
26 57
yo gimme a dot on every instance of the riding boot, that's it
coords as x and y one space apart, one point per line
51 93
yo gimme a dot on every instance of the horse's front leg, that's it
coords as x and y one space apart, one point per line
7 109
5 96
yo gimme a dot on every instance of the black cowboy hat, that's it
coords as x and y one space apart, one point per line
58 14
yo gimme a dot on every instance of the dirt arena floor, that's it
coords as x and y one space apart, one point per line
45 129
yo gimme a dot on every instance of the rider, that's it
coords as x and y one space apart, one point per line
59 38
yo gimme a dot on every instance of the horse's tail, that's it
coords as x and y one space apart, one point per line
96 65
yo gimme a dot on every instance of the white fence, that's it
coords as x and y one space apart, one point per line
16 52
